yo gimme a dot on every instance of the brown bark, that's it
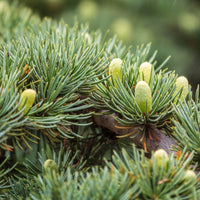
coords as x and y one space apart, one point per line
164 142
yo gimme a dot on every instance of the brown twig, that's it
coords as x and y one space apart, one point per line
164 142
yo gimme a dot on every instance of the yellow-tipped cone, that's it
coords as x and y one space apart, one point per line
27 96
145 71
115 69
50 165
143 96
182 82
160 157
189 175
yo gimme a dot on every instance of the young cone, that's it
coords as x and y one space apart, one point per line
189 175
161 156
50 165
27 99
115 69
145 71
143 96
182 82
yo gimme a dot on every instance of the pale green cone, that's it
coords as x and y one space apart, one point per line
88 38
189 175
115 69
145 71
160 157
27 96
181 82
50 165
143 96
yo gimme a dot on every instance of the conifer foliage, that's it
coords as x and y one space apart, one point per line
67 97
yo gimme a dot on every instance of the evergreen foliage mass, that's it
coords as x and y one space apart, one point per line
54 148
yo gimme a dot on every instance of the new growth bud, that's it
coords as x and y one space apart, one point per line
161 156
143 96
27 99
115 69
88 38
50 165
181 82
145 71
189 175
